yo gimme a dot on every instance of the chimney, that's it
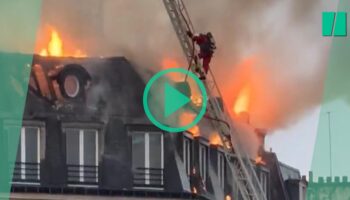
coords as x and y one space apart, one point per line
261 133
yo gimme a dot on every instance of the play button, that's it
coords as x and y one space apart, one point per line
168 99
174 100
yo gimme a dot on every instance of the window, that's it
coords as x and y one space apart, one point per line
147 159
221 169
203 161
82 156
187 154
26 157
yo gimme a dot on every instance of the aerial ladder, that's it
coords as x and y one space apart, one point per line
238 160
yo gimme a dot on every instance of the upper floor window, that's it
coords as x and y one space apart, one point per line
187 154
148 159
203 161
82 155
221 168
27 156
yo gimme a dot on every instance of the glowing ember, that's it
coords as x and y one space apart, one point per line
259 161
196 100
194 190
215 139
242 102
55 48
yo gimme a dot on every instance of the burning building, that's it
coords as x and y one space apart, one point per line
84 132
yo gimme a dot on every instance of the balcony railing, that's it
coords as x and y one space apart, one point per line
148 177
26 172
82 174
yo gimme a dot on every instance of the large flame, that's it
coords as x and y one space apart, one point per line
55 47
242 102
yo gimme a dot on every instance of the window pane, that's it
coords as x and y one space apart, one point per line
155 150
72 148
203 161
31 144
31 152
155 156
90 147
90 172
187 155
138 158
72 154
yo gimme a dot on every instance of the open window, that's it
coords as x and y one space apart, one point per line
148 159
221 168
203 161
26 157
82 156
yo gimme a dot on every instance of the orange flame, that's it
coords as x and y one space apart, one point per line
259 161
194 131
228 197
242 101
215 139
185 119
55 47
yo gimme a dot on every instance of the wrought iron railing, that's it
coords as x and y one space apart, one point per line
148 177
82 174
26 172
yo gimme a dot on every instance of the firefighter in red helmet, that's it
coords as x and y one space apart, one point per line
207 46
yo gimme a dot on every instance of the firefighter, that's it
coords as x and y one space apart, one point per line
207 46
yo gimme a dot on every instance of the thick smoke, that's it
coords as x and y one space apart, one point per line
273 46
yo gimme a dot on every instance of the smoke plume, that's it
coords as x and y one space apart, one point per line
272 46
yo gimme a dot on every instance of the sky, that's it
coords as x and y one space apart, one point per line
294 145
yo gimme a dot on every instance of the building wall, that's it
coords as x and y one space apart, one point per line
113 108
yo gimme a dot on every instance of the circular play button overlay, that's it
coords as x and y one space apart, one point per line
175 100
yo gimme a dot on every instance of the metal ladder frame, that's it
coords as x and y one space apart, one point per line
242 168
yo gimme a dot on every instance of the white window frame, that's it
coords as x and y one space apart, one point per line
147 155
203 163
221 168
40 126
81 152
